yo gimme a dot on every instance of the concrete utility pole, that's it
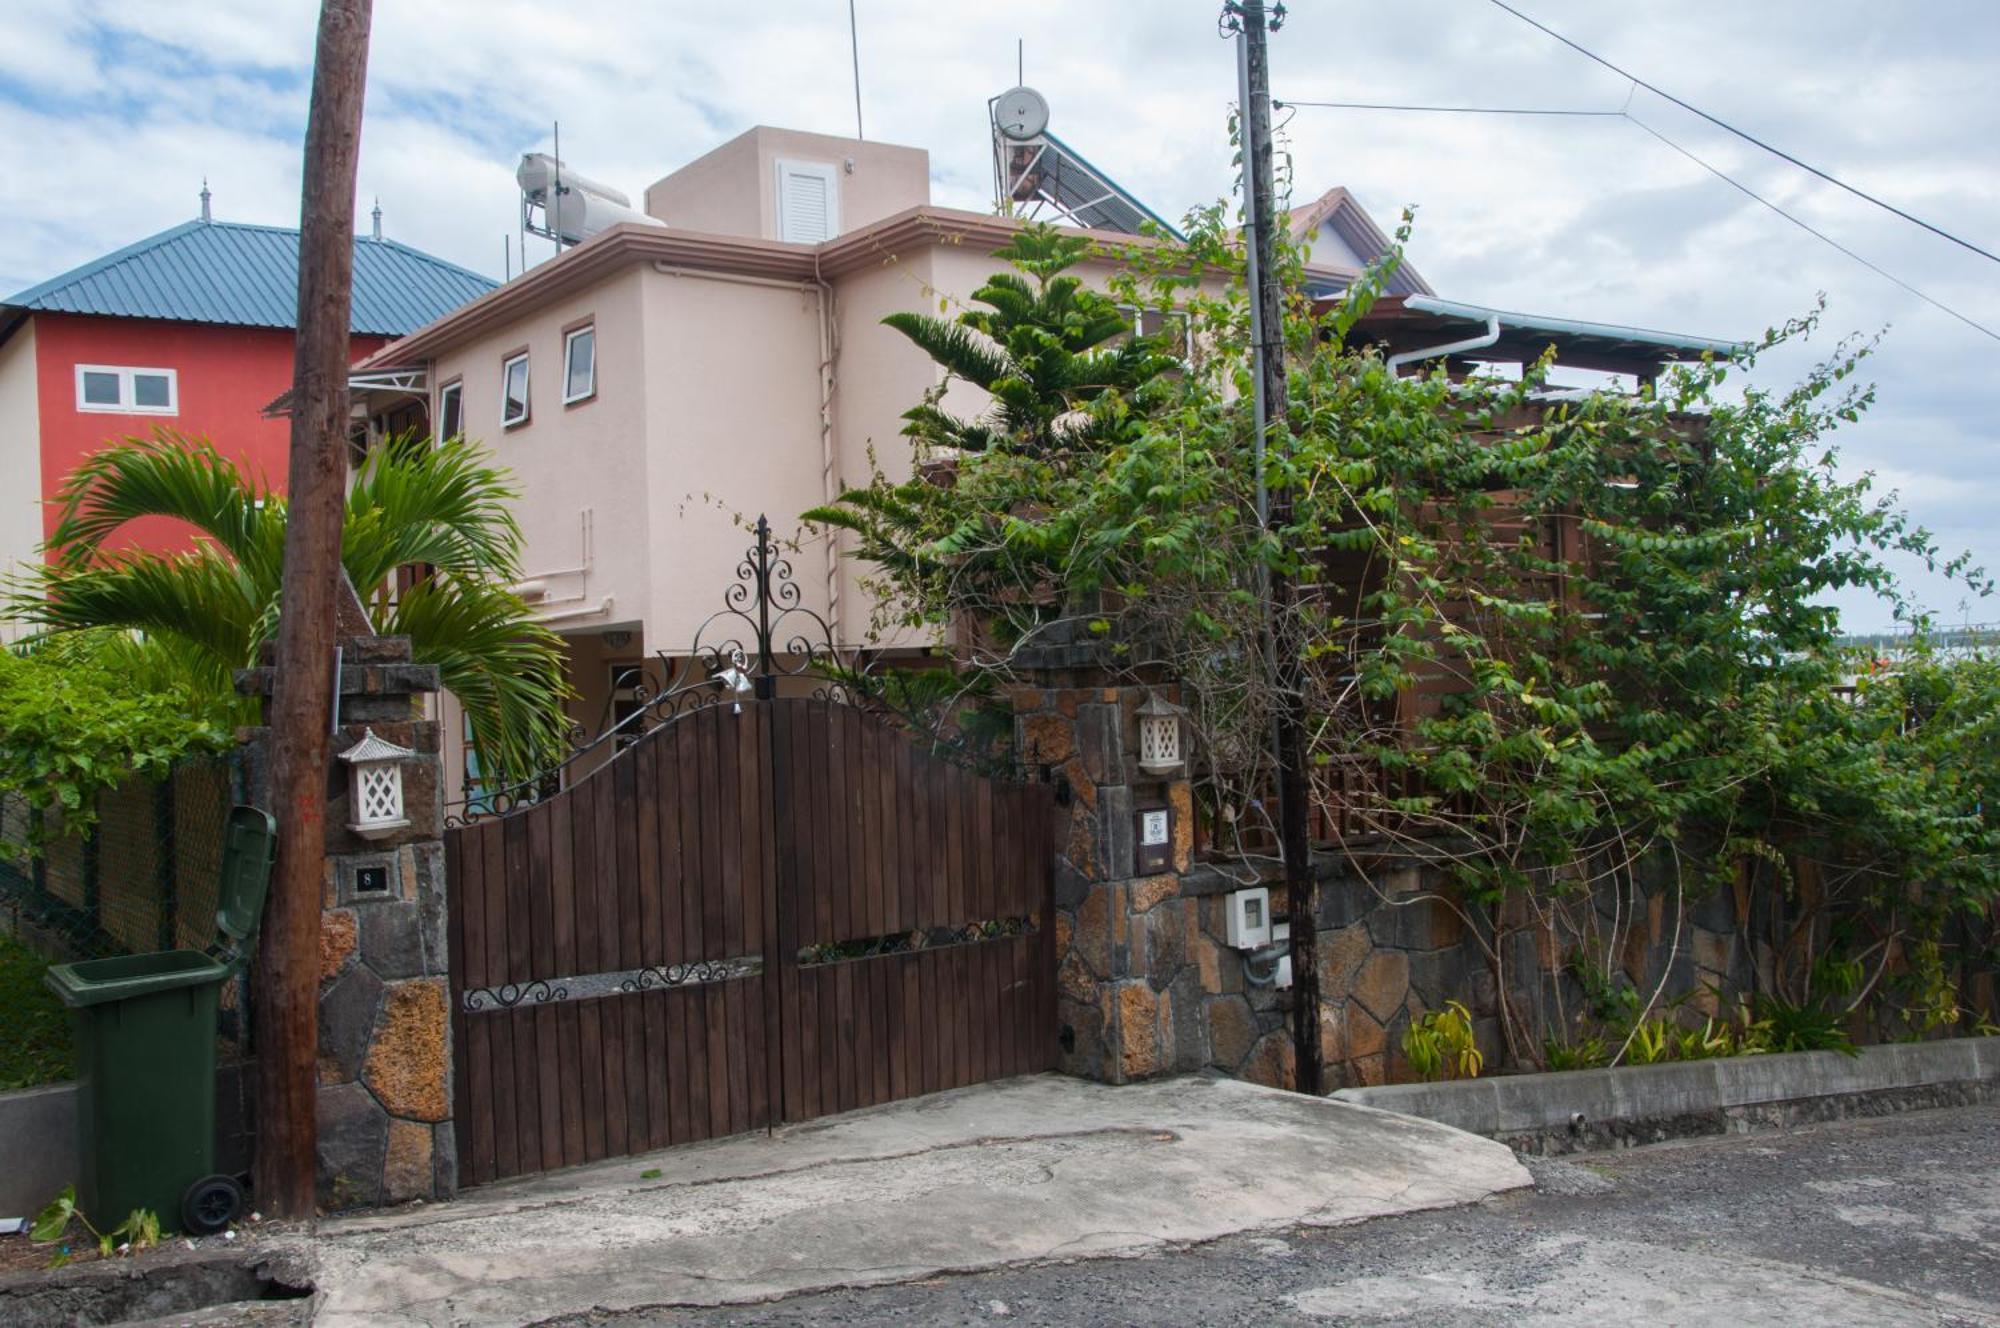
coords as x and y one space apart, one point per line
287 986
1252 25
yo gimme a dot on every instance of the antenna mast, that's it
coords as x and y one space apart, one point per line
854 45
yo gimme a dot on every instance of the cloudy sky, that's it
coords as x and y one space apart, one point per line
111 114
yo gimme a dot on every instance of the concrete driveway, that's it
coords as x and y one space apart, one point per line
981 1178
1888 1223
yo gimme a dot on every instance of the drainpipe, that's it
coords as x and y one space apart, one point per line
829 353
1480 342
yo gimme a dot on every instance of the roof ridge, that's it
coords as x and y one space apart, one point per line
246 274
103 263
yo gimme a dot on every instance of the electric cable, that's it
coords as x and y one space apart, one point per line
1748 137
1876 268
1448 110
1717 172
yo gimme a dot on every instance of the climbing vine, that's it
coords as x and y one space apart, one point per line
1547 635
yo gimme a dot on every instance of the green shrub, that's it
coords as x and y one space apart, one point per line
35 1046
1441 1041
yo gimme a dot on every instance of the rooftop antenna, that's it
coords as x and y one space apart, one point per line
555 194
854 45
377 215
204 198
1020 62
507 255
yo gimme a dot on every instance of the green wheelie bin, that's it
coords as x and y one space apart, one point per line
145 1056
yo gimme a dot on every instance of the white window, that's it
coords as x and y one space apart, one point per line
808 202
580 365
451 411
1169 327
514 391
112 389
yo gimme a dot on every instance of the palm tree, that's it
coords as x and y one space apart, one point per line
198 616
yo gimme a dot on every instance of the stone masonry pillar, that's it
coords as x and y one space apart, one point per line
1129 995
385 1095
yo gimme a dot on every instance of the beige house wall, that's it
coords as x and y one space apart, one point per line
881 375
21 426
734 431
580 468
709 412
733 189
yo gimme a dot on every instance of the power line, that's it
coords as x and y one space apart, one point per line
1717 172
1447 110
1747 137
1813 231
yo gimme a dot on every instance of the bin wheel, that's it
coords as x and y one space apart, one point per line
210 1204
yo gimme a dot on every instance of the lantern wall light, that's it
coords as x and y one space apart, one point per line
375 786
1159 736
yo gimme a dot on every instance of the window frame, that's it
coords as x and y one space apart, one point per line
625 696
455 389
127 403
1135 317
569 343
507 363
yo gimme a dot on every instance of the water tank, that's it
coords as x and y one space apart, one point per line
583 208
538 173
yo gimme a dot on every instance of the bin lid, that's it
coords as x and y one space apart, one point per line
127 977
249 843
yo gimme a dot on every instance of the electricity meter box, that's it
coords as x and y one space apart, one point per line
1249 920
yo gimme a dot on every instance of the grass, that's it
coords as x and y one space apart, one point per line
36 1046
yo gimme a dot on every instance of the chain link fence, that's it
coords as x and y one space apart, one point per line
141 878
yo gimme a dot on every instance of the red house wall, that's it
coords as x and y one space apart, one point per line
227 375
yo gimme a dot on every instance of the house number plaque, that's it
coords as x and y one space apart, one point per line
1155 841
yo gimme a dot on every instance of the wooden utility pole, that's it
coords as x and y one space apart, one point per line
287 985
1252 25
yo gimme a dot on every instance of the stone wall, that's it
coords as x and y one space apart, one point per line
1144 983
1149 986
385 1096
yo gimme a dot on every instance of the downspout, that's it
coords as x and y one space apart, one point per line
829 354
1480 342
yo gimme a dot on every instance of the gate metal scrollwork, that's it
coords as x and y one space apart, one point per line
763 632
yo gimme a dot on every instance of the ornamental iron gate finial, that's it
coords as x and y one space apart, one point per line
762 632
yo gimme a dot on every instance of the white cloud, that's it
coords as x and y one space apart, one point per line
112 112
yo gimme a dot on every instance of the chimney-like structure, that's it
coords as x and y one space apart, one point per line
204 198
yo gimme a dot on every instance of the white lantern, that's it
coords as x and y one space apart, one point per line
1159 737
375 786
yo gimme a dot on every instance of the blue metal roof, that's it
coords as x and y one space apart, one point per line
248 276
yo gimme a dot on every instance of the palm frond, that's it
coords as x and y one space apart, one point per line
200 598
443 506
174 476
504 667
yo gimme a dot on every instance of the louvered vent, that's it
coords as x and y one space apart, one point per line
808 202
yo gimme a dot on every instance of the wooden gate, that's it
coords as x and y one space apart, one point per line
758 912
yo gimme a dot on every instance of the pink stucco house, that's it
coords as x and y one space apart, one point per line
656 384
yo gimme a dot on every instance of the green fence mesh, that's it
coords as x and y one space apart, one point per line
142 878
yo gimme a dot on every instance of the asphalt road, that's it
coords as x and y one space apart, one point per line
1894 1221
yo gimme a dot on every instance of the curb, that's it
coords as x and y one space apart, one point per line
1574 1110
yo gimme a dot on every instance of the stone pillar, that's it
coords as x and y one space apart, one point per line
1130 991
385 1096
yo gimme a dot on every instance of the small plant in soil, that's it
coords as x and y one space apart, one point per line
140 1230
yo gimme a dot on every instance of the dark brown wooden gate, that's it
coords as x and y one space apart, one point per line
756 913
